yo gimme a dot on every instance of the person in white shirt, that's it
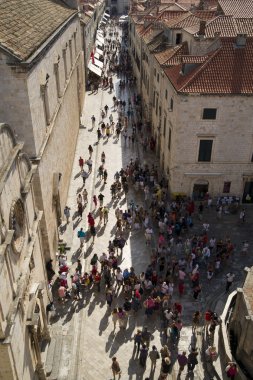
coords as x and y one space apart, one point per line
148 235
230 278
206 254
164 288
119 278
212 243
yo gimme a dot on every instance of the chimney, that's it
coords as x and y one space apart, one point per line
202 28
241 40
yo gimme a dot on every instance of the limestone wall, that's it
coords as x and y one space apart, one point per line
44 72
14 105
231 133
58 158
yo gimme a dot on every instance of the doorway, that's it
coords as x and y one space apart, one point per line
200 190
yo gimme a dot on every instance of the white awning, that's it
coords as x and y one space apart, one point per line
102 22
96 70
100 52
100 32
98 63
96 55
107 14
100 39
99 44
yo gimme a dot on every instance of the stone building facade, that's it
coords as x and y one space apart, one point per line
42 92
241 325
23 280
197 104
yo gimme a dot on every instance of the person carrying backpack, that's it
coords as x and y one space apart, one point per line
154 355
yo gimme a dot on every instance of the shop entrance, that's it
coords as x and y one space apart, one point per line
200 188
248 192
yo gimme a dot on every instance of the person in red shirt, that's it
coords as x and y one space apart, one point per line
181 288
64 282
81 162
91 220
94 270
178 308
97 280
208 318
64 268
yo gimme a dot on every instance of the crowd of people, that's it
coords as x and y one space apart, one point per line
179 258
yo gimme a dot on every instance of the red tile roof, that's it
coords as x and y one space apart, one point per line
228 70
229 26
204 14
237 8
165 55
188 21
168 14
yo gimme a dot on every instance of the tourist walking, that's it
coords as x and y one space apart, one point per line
143 355
67 213
192 360
137 340
81 235
154 355
231 370
182 361
116 371
230 278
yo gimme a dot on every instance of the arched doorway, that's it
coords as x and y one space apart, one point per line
200 188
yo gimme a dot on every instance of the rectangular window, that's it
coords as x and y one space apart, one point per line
171 104
154 99
75 46
169 140
156 106
209 113
205 150
155 72
70 53
166 94
226 187
157 77
164 126
252 158
178 38
57 79
65 63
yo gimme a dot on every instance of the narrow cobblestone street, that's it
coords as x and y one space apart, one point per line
83 338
